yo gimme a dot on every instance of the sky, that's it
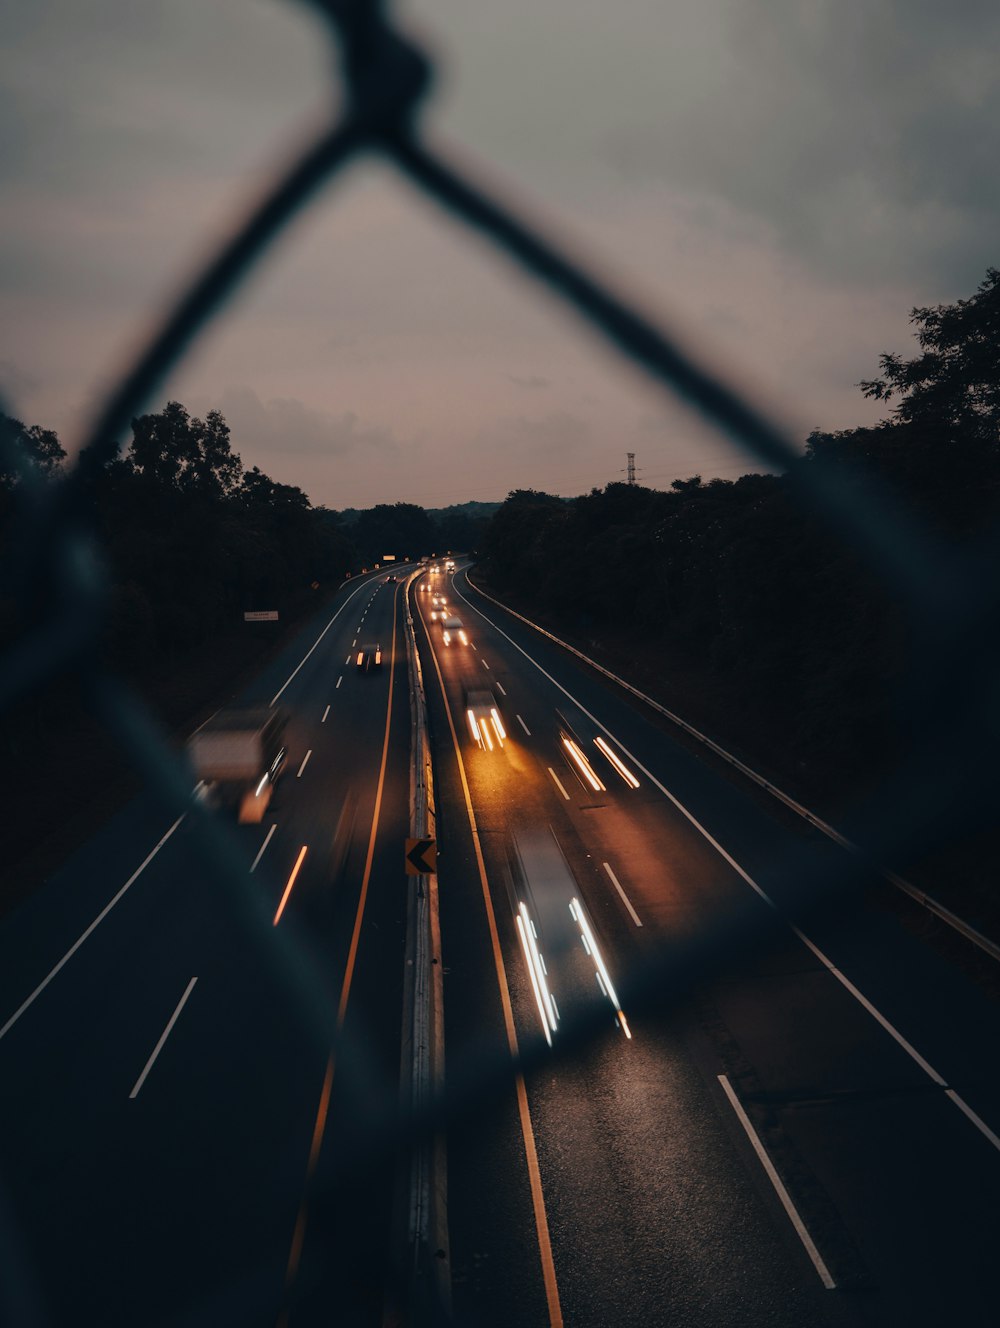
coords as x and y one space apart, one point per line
778 182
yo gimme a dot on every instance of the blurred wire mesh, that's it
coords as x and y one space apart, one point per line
937 793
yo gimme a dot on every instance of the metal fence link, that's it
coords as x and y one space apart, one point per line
63 593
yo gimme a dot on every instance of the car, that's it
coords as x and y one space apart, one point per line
485 724
453 629
389 578
369 657
450 565
439 608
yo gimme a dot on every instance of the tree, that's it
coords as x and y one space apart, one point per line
955 381
398 528
27 447
173 451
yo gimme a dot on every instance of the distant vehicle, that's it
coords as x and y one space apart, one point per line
369 658
238 756
453 630
390 577
485 724
435 569
439 608
450 565
557 934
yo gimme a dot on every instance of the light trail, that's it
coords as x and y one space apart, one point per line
534 976
618 764
291 881
603 976
583 765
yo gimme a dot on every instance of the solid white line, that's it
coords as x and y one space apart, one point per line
499 687
96 923
782 1193
163 1037
260 851
977 1121
524 726
304 761
339 681
314 644
327 710
827 963
558 783
625 899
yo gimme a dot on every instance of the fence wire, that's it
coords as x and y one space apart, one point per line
935 795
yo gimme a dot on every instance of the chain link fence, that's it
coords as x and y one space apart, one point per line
938 793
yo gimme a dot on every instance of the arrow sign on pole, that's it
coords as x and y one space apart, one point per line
421 857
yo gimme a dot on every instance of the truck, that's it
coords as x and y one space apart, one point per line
237 757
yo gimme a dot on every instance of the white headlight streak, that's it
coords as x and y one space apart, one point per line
583 765
546 1005
618 763
603 976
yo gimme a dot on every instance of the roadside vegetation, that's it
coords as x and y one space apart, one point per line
736 588
188 539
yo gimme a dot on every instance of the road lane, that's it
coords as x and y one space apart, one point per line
579 1148
917 1259
186 1195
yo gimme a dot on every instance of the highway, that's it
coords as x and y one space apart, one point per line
785 1116
169 1111
857 1059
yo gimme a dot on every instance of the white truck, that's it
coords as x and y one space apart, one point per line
237 756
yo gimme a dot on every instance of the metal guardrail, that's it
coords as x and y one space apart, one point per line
422 1056
387 75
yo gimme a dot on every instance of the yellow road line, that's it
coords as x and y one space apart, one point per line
527 1132
355 937
299 1234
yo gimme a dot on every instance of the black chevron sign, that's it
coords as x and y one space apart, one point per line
421 857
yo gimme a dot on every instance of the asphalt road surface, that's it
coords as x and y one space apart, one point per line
171 1108
780 1115
621 1183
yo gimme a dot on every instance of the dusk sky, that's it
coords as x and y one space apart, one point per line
779 181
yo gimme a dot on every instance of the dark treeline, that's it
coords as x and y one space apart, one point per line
189 537
739 580
406 530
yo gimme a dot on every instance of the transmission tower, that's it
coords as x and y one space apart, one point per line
630 468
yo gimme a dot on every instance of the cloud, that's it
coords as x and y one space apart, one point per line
864 135
550 437
283 425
